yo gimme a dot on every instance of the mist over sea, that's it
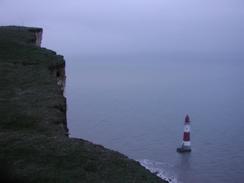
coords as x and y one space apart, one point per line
135 68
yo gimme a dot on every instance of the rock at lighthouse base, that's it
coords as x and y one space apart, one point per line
183 149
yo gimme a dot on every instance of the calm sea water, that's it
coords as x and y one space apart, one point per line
137 104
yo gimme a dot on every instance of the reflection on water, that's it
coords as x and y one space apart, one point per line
183 167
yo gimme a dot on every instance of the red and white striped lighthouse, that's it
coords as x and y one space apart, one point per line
186 144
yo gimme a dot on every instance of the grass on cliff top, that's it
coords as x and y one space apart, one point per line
18 34
38 158
33 144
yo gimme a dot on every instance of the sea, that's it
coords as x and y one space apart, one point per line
136 105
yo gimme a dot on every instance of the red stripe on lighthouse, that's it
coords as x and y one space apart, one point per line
186 136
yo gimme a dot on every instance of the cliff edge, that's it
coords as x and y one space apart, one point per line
34 143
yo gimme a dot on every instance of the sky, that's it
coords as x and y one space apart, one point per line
133 26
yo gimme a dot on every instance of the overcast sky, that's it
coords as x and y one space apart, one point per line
133 26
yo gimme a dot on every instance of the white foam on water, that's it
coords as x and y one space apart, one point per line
157 168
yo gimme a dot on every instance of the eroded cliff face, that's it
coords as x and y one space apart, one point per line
37 40
57 71
34 82
38 36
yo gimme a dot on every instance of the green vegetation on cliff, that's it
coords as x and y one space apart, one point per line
34 146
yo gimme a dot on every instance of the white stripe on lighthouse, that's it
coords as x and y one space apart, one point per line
186 143
187 128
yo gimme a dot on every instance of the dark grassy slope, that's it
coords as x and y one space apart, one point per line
33 142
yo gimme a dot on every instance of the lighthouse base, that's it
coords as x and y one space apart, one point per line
183 149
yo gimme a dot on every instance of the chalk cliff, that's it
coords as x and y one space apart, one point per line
34 143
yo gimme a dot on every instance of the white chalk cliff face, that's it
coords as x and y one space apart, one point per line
61 78
38 36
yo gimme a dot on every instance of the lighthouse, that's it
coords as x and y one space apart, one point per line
186 144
